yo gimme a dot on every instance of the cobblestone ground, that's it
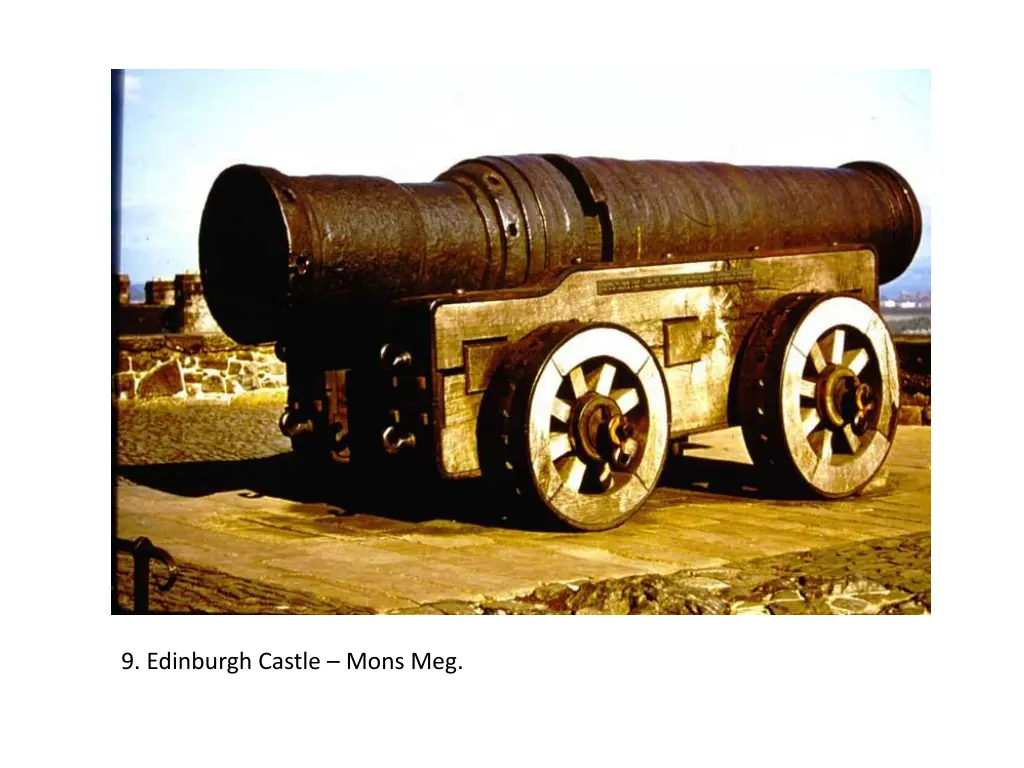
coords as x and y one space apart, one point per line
886 576
167 431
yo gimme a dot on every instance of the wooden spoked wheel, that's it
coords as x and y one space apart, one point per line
819 394
584 427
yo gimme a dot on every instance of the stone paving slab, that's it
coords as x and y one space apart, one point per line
703 515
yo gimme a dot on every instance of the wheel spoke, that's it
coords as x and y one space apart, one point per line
817 358
561 410
626 399
603 379
855 360
851 439
838 343
825 455
577 468
579 382
808 388
559 445
810 419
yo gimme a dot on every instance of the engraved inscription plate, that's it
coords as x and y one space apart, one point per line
740 274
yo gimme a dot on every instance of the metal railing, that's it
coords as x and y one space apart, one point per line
143 553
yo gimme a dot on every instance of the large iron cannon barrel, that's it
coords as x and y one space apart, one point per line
269 241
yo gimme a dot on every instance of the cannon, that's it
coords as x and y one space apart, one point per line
555 323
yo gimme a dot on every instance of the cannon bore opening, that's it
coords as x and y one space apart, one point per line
243 255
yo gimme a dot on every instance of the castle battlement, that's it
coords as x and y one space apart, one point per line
171 306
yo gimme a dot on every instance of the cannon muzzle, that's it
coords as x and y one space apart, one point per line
270 242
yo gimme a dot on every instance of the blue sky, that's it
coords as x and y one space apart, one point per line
182 127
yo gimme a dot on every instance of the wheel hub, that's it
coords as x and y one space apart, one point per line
599 430
842 398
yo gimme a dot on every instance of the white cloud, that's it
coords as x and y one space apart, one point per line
132 88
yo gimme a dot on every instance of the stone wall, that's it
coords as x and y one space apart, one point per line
207 366
915 356
160 293
916 409
171 306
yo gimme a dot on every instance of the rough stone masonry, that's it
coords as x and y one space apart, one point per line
203 366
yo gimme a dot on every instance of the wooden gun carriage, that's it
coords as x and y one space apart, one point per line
553 323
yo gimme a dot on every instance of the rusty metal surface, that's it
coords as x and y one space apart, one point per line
271 243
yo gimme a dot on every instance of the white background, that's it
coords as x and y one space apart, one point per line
547 690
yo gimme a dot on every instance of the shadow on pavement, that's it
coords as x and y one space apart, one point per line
406 496
403 496
279 476
717 476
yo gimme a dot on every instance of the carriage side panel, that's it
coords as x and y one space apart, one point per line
694 317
